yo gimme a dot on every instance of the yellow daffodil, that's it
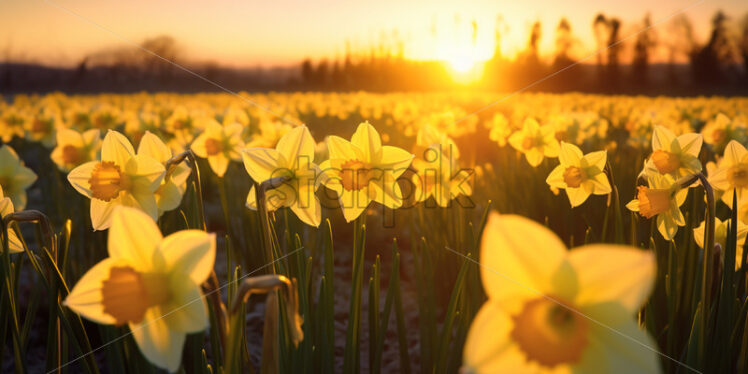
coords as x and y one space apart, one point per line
270 134
42 127
720 237
74 149
580 175
292 158
120 178
676 156
219 144
15 178
11 124
721 130
439 175
550 310
150 283
6 207
535 141
731 175
169 194
363 170
499 129
662 198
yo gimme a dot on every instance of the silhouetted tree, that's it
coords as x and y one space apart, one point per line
614 52
645 41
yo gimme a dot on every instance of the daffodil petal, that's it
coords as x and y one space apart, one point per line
368 140
518 256
152 146
86 297
116 148
187 311
161 345
134 237
191 252
297 146
261 163
80 176
613 273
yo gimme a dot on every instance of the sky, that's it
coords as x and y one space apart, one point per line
283 32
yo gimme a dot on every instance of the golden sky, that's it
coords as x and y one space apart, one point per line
282 32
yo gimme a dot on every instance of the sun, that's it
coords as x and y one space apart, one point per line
461 63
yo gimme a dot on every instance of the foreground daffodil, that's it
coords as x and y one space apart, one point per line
363 170
74 149
6 207
535 141
169 194
120 178
580 175
219 144
150 283
15 178
292 158
676 156
662 198
550 310
720 237
731 175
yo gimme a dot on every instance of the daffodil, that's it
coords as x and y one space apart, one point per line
551 310
219 144
675 156
6 207
74 149
11 124
662 198
120 178
438 174
42 127
535 141
731 175
721 130
15 178
363 170
293 159
720 237
150 283
580 175
169 194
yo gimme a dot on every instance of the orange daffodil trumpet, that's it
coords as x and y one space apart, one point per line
675 156
169 194
219 144
662 198
120 178
292 158
15 177
731 175
74 149
6 207
363 170
150 283
580 175
551 310
535 141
